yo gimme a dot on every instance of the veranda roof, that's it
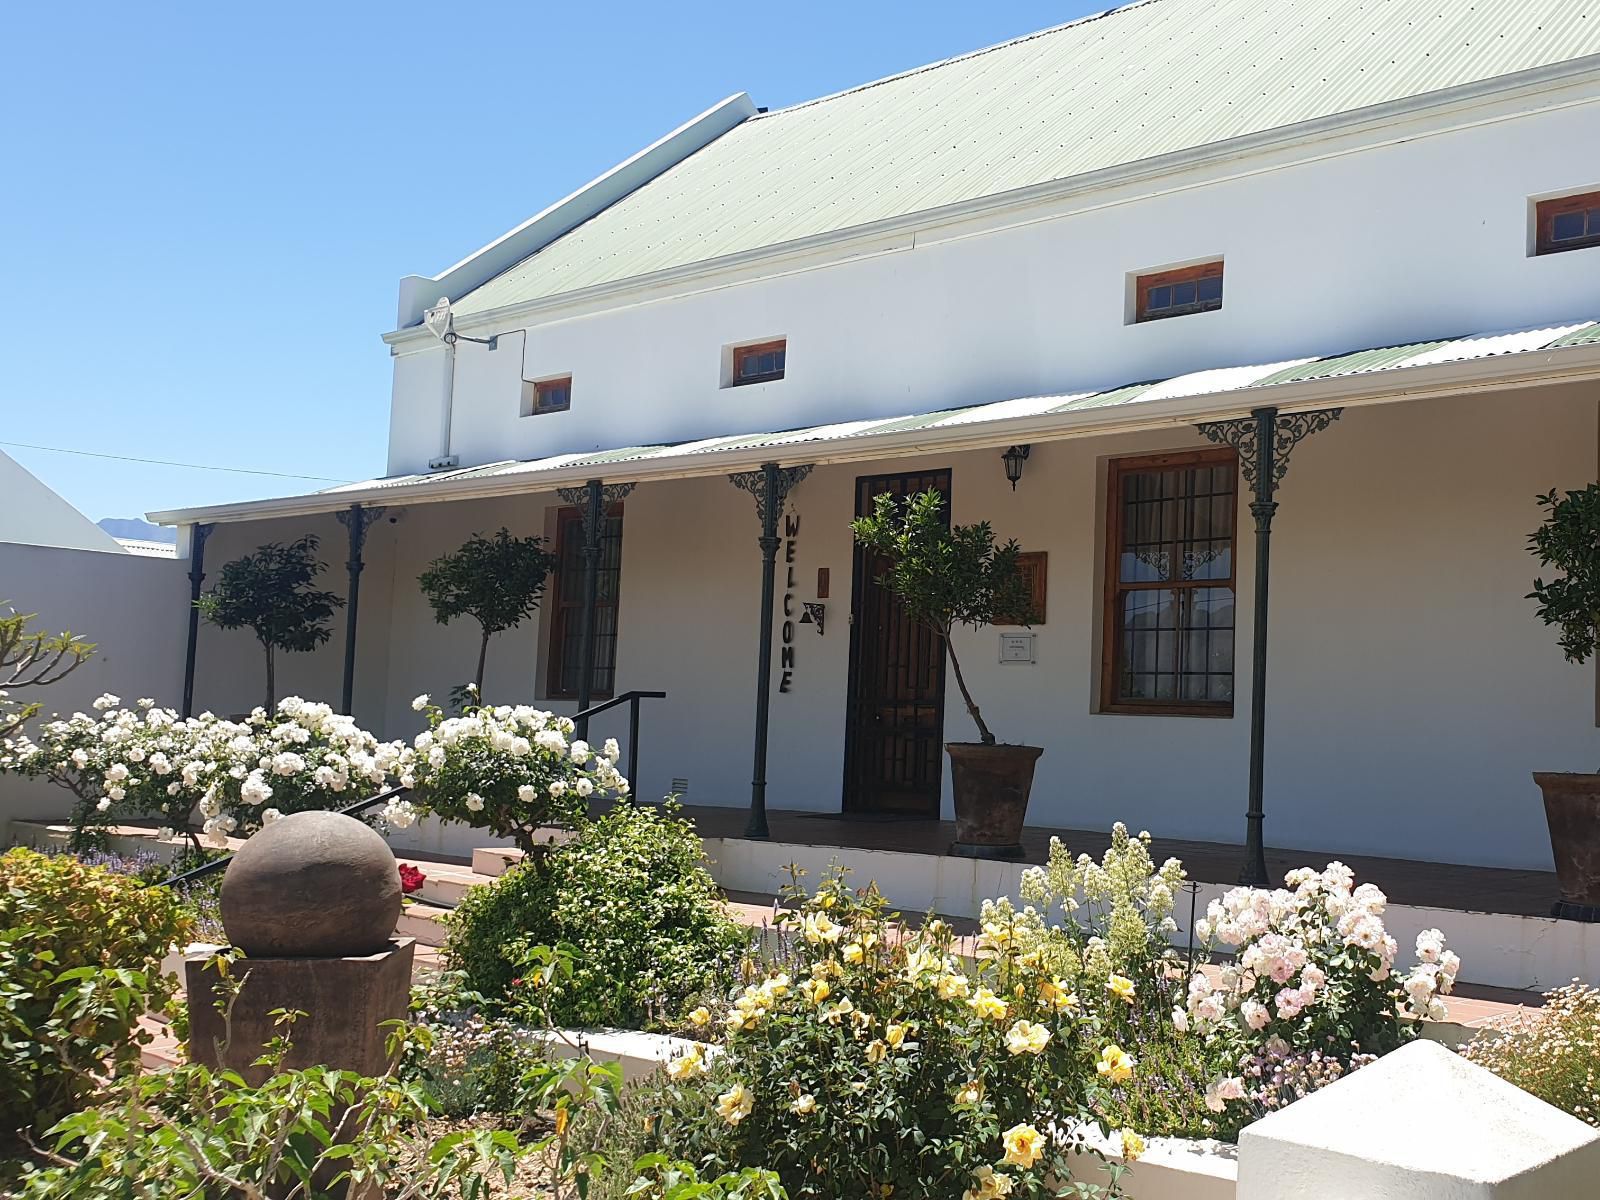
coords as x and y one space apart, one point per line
1414 370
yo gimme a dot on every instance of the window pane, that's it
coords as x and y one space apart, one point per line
1160 297
1594 222
1210 288
1567 226
1174 644
1182 293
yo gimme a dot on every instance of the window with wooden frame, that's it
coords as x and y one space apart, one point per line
759 363
1169 599
549 395
1567 223
564 603
1177 293
1033 566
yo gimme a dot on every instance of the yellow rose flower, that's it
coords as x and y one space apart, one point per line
1024 1145
686 1066
819 927
894 1035
1026 1038
1121 987
877 1051
816 990
952 986
700 1017
740 1019
1056 994
804 1105
853 953
1132 1145
839 1011
988 1184
735 1104
987 1005
972 1093
1116 1064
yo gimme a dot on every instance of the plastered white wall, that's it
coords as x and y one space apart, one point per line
1425 238
1412 689
129 606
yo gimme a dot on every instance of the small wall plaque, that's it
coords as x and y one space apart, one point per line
1016 648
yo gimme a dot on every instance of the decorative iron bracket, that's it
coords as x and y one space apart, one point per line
358 518
755 482
197 553
1264 466
610 493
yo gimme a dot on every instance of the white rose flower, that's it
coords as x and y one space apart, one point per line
104 803
558 787
268 816
420 703
580 751
166 833
583 787
612 751
474 802
80 758
527 793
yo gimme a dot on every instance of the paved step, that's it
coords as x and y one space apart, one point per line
424 922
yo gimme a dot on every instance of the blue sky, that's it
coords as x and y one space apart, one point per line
208 208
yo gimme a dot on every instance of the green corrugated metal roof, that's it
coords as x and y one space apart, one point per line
1151 78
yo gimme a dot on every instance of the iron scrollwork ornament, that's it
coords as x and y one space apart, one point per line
1288 431
610 494
755 482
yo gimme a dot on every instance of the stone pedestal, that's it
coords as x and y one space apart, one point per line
346 1001
1422 1123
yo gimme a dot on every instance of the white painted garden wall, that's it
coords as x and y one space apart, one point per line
130 606
1327 249
1412 688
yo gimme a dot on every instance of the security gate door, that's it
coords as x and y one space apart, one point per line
894 728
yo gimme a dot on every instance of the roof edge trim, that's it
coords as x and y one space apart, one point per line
417 292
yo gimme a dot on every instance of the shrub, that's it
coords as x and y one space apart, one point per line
309 1133
510 770
147 761
80 961
632 900
880 1064
1553 1052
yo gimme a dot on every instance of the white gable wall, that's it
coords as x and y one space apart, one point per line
1416 239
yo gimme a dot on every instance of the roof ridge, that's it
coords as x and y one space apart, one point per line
955 58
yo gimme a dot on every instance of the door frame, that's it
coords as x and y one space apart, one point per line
851 798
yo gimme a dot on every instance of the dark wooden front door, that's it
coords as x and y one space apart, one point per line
894 728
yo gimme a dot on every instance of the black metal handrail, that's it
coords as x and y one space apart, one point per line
580 720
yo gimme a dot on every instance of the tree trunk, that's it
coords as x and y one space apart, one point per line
983 730
483 653
272 684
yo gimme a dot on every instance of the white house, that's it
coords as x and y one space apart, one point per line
1124 245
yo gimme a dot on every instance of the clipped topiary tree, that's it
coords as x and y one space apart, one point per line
497 581
1568 540
270 593
957 575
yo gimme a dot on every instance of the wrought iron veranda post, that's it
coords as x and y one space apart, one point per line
594 499
356 519
1264 441
770 486
197 575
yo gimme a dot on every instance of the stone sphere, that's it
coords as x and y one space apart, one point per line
312 885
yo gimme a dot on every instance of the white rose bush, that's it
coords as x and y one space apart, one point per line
510 769
210 777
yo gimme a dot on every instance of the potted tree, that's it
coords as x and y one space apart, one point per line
497 581
270 593
948 576
1569 541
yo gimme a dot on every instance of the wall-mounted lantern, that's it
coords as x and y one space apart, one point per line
1013 458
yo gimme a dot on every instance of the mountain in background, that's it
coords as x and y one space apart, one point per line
136 530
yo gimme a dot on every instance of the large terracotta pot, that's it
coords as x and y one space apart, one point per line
991 786
1572 810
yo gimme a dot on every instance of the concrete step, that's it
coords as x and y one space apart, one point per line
423 922
443 883
497 860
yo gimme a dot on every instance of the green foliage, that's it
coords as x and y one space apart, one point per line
631 898
659 1177
1553 1051
1569 542
80 960
945 575
32 658
270 592
497 581
314 1134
